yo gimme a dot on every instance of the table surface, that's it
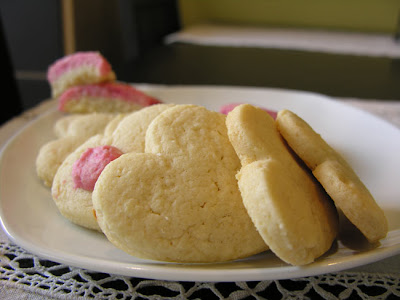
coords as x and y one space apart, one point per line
23 274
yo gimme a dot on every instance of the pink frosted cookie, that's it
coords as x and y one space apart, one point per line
225 109
88 167
74 202
104 97
78 68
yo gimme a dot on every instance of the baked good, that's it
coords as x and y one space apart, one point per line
61 125
338 178
226 108
52 154
71 131
129 135
288 207
87 168
83 125
77 69
178 201
114 123
74 203
72 185
109 97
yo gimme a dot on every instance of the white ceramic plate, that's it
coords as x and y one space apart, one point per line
371 145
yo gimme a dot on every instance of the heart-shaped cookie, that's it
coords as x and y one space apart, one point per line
179 201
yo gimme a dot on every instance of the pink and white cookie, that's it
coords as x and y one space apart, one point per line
71 131
77 175
77 69
88 167
104 97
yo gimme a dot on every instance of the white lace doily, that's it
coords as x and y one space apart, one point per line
45 278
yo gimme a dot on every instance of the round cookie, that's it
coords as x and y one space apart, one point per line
335 174
114 123
61 125
72 131
179 201
85 125
129 135
52 154
290 210
76 203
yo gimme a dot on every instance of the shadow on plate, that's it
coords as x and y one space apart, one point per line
351 237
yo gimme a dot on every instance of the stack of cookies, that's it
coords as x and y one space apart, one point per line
84 82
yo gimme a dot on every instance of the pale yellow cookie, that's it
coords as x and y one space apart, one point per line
179 201
114 124
71 131
52 154
76 203
335 174
61 125
290 210
129 135
85 125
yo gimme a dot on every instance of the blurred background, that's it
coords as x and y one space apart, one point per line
132 34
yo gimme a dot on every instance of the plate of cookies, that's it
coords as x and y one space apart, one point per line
200 183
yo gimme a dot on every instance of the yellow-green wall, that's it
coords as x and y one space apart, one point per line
358 15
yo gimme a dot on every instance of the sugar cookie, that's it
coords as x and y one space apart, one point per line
78 68
84 125
72 131
111 97
336 176
61 126
52 154
179 201
290 210
75 203
129 135
226 108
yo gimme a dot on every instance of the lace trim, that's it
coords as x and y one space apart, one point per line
22 270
